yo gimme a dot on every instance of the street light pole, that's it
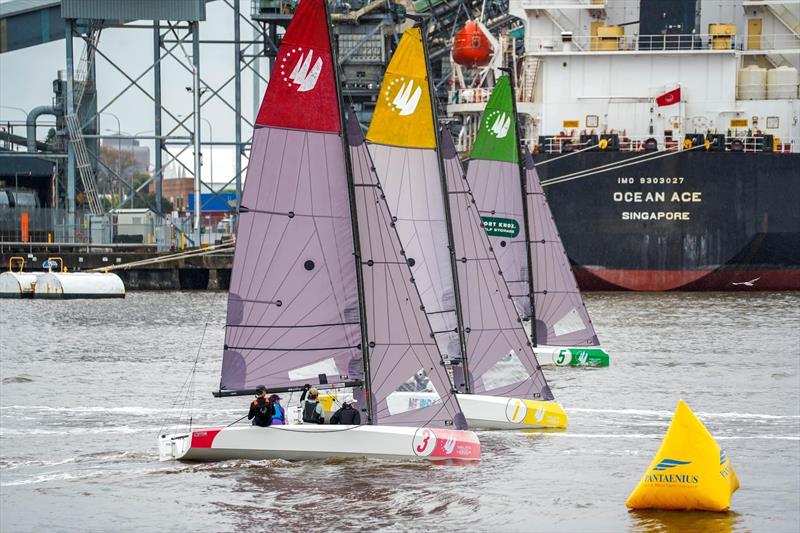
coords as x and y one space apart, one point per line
119 150
210 147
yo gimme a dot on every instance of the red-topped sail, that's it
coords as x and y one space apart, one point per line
302 93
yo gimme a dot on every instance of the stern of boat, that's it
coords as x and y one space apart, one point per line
494 412
173 446
571 357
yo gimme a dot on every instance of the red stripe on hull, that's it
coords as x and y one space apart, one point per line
204 438
730 279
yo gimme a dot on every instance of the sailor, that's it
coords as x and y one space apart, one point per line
279 417
261 409
312 410
347 414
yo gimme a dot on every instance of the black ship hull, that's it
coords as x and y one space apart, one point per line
689 221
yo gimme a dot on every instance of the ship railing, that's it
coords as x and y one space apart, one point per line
475 95
560 144
663 42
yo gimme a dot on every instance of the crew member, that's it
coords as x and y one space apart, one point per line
279 416
312 410
261 409
347 414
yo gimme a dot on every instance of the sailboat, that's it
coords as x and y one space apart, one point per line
320 293
524 236
477 328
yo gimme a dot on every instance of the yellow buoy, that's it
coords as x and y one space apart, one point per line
690 470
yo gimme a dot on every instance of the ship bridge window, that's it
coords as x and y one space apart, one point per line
592 121
773 123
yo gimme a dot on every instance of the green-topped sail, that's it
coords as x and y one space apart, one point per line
497 135
532 258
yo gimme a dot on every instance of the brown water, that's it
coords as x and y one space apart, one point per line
87 385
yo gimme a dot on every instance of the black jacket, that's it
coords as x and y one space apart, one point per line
261 411
347 416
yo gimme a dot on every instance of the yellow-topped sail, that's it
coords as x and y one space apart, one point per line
403 115
690 470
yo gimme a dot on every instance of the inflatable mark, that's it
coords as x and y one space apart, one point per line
690 470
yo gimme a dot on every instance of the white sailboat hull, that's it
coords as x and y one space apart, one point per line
303 442
487 412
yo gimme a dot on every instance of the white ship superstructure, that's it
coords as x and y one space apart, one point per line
594 67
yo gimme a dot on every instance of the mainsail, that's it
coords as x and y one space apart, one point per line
403 147
295 315
501 360
494 175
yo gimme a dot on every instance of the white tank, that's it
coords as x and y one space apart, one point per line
782 83
752 83
17 284
79 285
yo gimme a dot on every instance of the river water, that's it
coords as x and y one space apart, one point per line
88 385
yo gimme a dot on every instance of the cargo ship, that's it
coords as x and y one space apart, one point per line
665 133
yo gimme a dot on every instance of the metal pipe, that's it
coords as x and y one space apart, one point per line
70 201
196 115
237 88
30 122
159 172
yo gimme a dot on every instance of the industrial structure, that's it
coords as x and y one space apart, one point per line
76 186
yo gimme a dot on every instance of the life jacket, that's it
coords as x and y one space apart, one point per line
263 412
310 413
278 417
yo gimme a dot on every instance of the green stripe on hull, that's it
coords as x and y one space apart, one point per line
581 357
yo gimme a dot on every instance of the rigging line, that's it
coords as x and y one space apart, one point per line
567 155
191 375
645 156
619 164
295 325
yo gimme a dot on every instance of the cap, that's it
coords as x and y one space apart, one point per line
274 397
349 399
260 389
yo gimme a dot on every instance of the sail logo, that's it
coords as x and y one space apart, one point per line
498 124
666 464
303 76
406 99
656 476
450 444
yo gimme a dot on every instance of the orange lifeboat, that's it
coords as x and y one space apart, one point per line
471 48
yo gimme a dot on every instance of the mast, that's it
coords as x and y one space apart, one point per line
362 310
525 217
448 221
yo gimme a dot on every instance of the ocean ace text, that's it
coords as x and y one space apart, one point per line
653 197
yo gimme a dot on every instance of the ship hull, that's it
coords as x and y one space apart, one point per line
695 221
